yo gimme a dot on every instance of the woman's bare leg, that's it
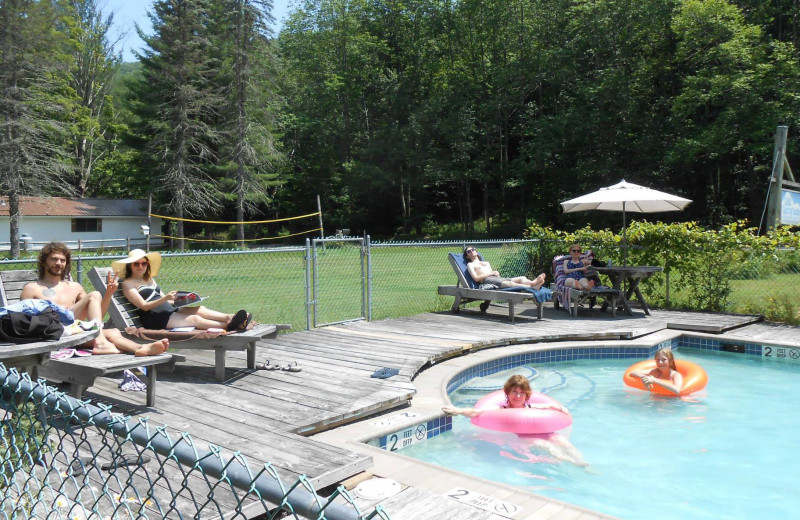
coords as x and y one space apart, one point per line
180 319
206 313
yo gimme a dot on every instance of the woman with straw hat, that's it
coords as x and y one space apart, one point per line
138 272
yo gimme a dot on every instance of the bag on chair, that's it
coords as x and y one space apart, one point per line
18 327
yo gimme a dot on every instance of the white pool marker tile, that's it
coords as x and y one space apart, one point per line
485 502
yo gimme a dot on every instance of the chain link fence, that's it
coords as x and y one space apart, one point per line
340 280
64 458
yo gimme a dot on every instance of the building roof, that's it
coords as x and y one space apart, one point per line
69 207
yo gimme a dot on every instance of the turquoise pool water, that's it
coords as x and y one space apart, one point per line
730 451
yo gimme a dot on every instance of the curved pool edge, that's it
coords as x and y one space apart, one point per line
432 386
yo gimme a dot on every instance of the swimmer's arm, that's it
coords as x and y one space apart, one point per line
468 412
550 406
674 384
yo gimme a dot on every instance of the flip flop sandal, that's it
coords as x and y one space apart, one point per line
247 320
83 353
237 320
266 366
64 353
289 367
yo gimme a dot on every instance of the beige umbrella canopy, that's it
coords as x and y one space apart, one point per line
626 197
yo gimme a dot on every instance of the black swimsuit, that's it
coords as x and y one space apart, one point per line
158 317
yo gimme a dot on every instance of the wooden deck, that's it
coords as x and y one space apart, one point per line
265 414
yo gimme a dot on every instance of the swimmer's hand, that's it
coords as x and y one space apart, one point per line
451 410
647 381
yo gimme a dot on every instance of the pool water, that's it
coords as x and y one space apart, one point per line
730 451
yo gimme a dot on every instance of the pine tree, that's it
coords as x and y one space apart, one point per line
176 102
32 95
249 159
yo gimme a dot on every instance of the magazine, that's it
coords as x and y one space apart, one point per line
187 298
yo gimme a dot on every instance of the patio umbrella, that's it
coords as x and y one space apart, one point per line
626 197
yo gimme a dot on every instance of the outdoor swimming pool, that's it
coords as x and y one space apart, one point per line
728 452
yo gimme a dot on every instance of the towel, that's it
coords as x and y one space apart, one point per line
542 295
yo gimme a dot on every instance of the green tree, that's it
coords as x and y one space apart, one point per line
91 76
32 101
176 100
249 159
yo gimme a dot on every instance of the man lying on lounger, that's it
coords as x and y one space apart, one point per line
54 264
481 271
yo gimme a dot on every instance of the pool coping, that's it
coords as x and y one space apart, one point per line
434 383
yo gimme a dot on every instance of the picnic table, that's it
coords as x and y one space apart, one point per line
631 275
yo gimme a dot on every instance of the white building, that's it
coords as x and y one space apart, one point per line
95 222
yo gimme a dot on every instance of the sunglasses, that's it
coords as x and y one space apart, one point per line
144 262
471 249
575 250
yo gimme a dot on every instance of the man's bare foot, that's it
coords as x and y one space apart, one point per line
538 282
153 349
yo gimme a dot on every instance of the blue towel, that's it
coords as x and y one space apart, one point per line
542 295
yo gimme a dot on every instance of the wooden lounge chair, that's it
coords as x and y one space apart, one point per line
124 314
467 290
571 299
81 372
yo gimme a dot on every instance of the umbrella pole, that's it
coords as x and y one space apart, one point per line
624 239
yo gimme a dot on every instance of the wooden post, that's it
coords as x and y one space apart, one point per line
319 209
776 179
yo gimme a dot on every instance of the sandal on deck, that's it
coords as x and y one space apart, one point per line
266 366
291 367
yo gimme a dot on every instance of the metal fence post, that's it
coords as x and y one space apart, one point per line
79 268
666 275
369 279
307 259
363 279
315 274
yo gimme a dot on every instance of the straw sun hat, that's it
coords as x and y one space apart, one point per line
153 257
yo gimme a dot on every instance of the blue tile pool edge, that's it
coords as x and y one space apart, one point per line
431 428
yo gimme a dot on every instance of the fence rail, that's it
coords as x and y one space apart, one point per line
282 284
83 462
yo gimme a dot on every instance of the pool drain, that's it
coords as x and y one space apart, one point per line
377 489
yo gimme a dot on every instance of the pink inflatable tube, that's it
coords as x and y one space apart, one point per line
519 420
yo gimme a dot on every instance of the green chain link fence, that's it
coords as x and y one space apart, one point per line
67 459
287 285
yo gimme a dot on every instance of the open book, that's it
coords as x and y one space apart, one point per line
187 298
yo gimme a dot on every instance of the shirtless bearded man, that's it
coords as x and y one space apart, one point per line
53 284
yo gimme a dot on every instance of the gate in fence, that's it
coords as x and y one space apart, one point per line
341 290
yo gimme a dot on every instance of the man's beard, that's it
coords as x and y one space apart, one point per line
57 271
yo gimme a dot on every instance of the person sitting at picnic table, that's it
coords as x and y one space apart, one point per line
138 273
575 270
54 266
481 271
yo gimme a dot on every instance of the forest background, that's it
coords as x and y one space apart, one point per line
410 118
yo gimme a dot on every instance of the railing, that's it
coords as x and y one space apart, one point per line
81 461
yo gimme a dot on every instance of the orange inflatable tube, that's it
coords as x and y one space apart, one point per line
694 377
